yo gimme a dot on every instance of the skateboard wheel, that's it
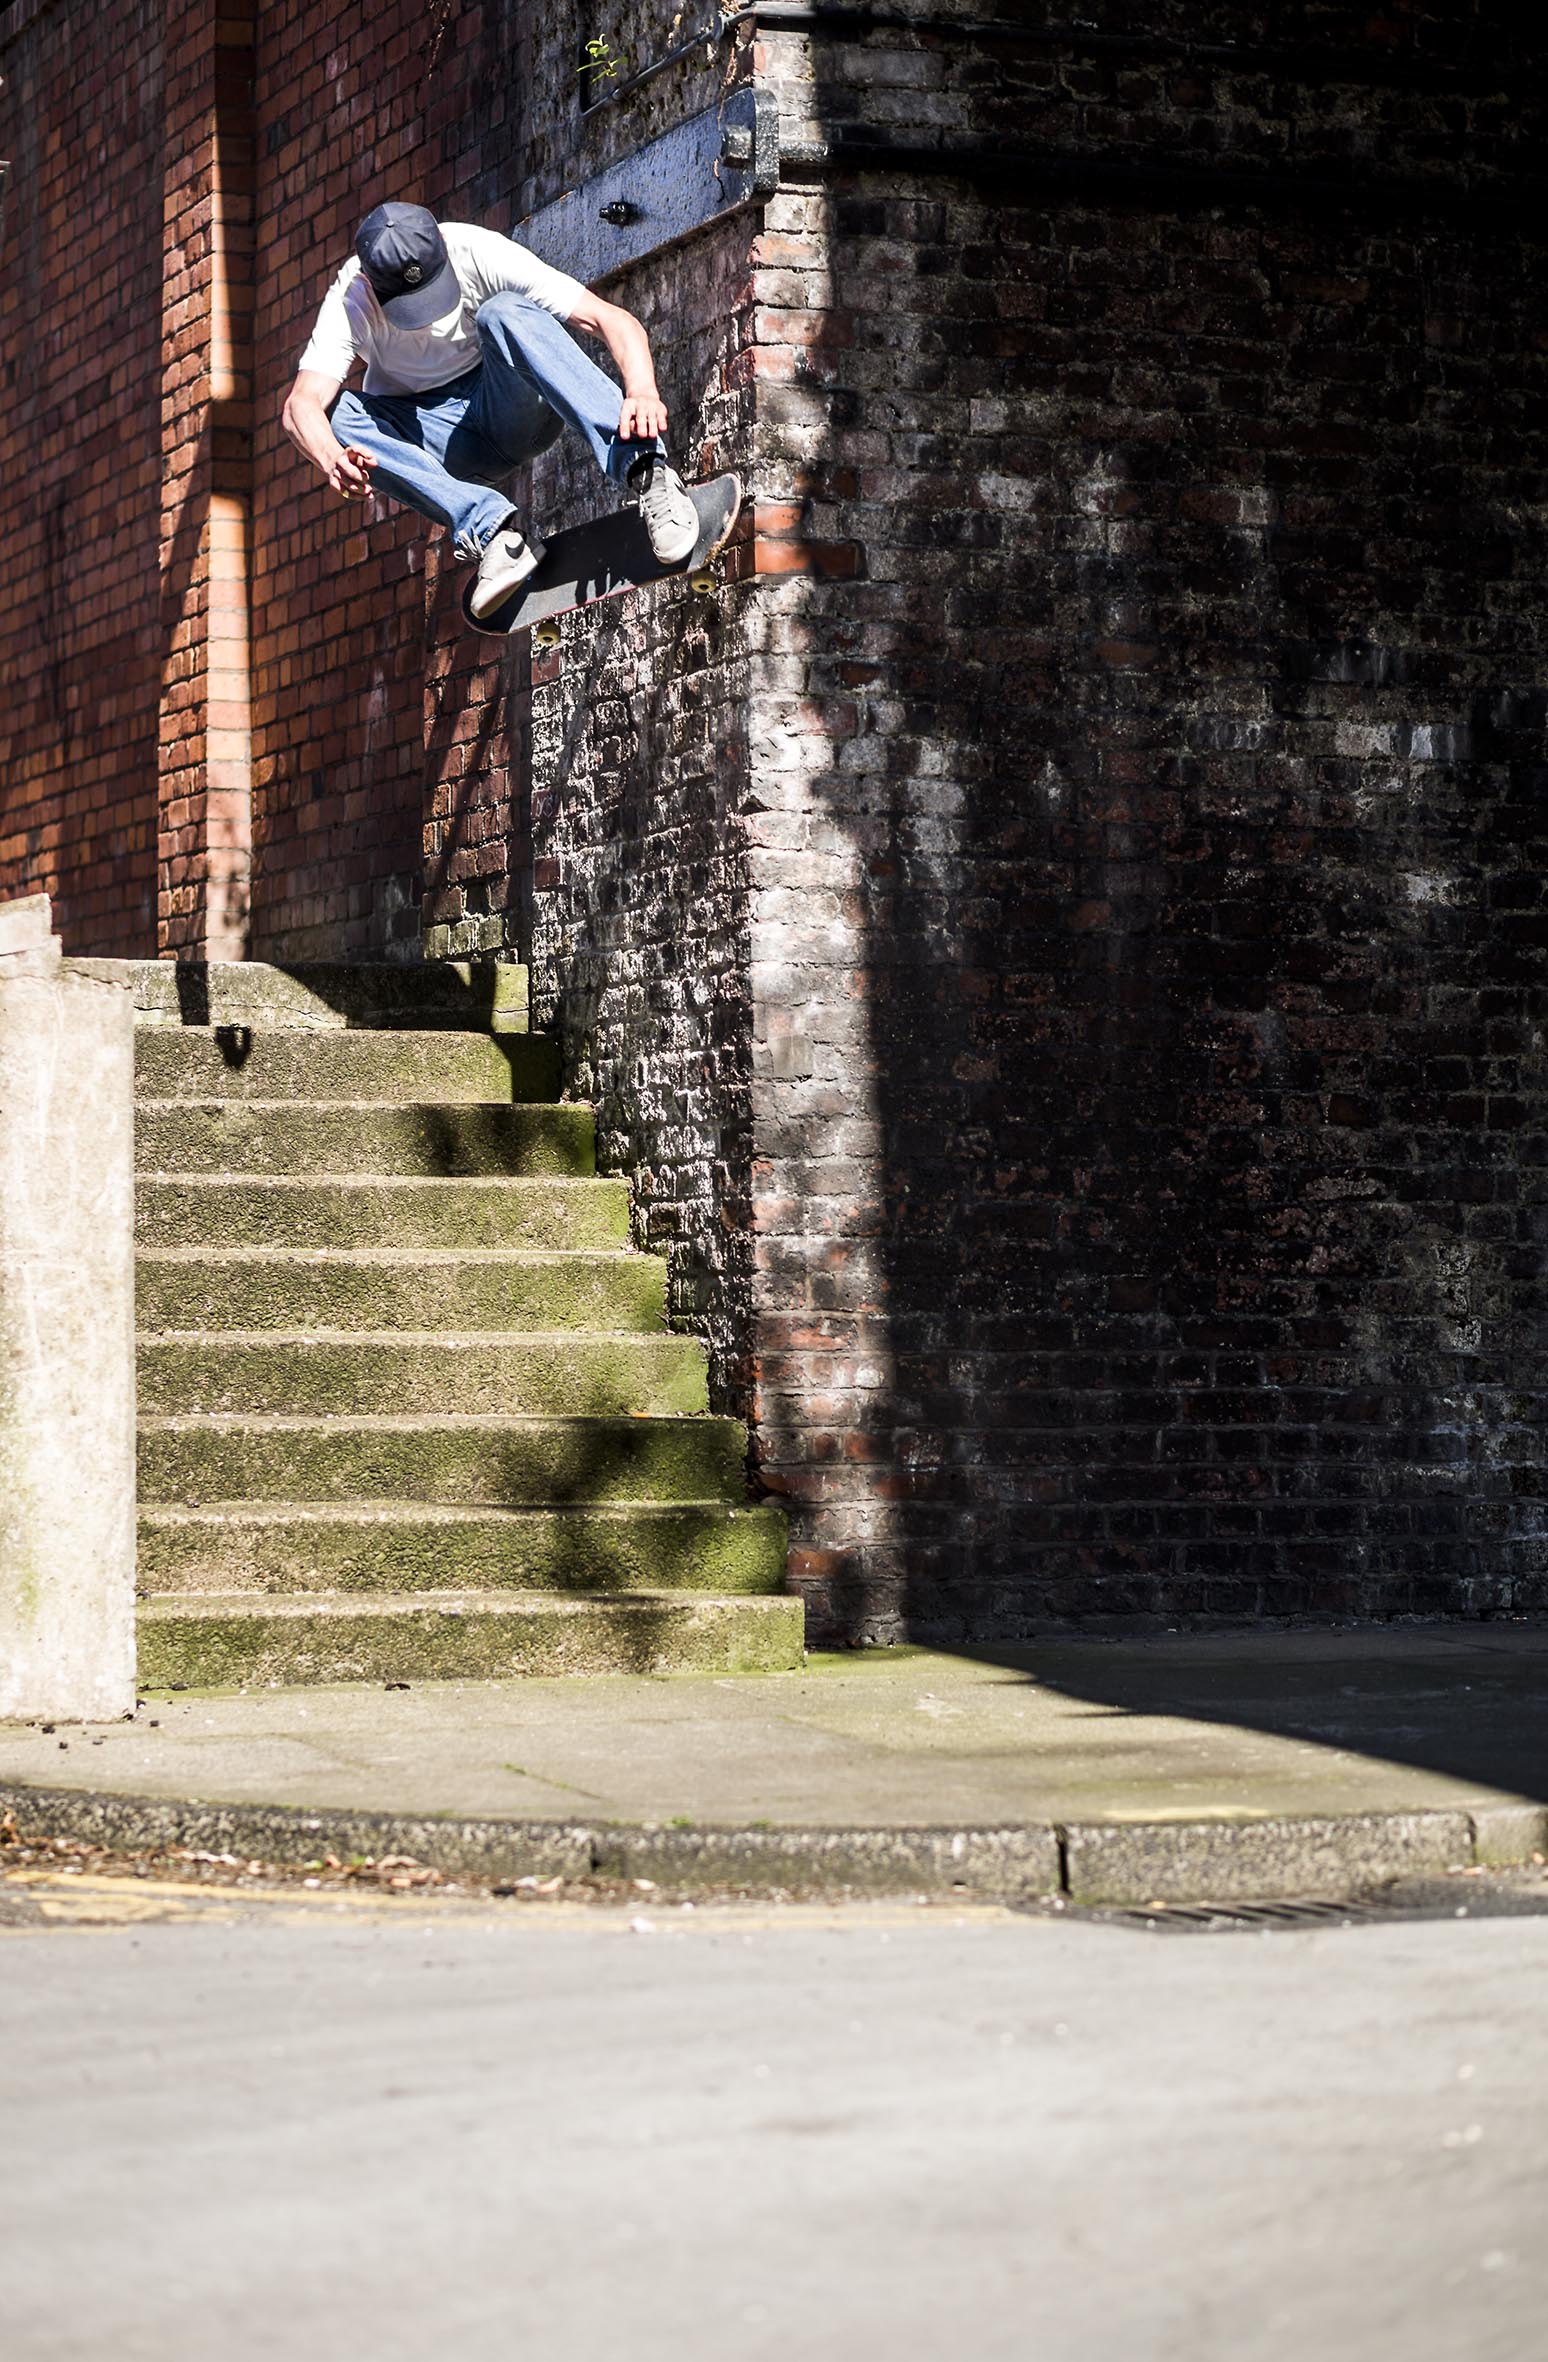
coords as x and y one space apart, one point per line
701 584
545 635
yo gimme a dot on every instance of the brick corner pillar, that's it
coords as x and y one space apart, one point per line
204 851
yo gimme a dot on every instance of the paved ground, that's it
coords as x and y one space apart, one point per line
1239 1725
306 2129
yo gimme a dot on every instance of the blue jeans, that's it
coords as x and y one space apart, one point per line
446 452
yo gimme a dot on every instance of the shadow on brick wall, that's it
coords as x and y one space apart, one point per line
1203 916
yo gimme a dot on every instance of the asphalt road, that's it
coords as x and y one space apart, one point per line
418 2129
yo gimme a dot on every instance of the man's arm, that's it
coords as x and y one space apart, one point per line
305 420
644 414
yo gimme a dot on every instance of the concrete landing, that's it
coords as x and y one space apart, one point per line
1249 1763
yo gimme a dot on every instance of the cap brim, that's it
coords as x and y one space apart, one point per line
417 307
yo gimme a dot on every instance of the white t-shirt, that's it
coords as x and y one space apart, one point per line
352 325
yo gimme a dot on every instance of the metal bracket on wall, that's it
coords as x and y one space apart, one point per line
677 184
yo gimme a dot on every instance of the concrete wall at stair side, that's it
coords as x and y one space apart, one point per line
67 1447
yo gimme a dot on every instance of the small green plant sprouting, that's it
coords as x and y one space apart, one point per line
601 62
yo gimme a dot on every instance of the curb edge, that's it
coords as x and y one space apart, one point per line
1284 1857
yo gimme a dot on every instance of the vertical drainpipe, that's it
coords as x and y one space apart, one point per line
204 853
229 741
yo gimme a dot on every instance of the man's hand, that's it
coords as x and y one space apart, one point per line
305 420
642 418
350 474
644 414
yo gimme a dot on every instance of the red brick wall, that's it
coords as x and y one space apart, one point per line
379 740
82 633
360 801
375 741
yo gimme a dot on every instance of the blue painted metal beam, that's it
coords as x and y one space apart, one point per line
673 186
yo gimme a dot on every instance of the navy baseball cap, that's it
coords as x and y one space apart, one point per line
404 256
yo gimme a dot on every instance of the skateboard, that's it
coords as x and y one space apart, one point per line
609 555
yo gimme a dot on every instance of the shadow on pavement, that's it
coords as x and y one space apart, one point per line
1467 1701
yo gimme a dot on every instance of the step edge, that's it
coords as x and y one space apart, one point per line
161 1607
367 1514
230 1339
432 1422
375 1258
152 1176
207 1035
210 1102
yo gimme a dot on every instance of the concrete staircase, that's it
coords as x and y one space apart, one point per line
408 1403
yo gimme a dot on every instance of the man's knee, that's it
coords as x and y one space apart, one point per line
350 420
516 314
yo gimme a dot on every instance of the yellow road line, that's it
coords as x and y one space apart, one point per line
97 1898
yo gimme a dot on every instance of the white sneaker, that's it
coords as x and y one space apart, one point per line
670 517
503 568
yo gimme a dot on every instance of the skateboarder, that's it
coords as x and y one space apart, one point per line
471 369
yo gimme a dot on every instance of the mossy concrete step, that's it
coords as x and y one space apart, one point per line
346 1137
281 1210
483 996
287 1546
476 1462
570 1373
226 1640
238 1062
397 1288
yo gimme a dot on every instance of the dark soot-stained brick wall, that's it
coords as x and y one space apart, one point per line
1129 1026
1187 758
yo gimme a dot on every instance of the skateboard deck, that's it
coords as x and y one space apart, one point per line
609 555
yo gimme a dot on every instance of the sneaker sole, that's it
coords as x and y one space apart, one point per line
488 604
681 557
